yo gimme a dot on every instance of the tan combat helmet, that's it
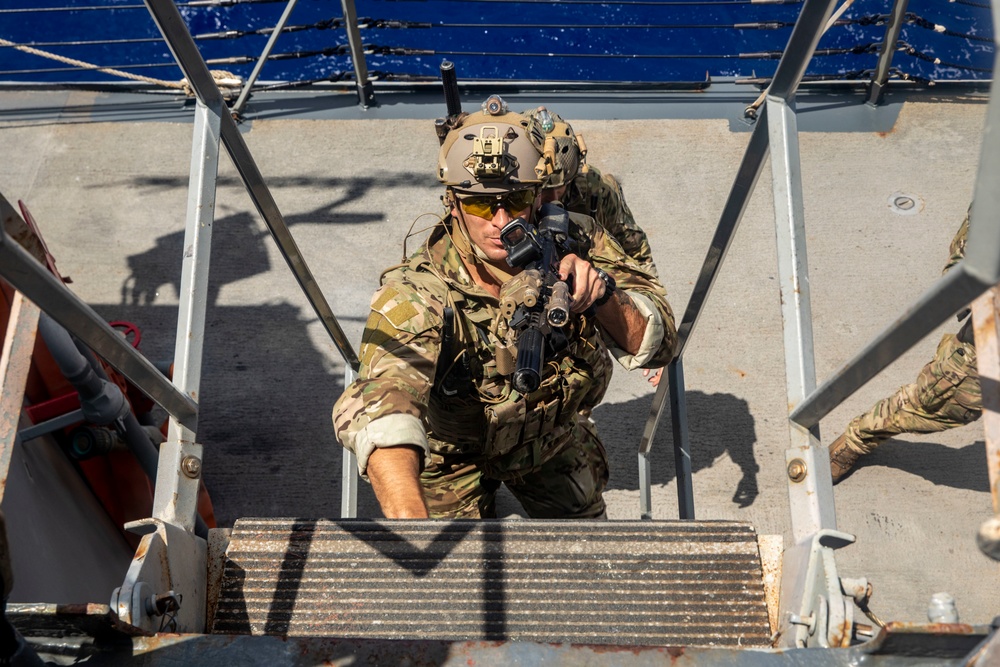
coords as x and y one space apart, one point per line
564 150
493 151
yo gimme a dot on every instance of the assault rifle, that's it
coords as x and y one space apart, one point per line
536 303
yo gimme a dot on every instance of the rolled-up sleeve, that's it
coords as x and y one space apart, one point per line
387 405
652 338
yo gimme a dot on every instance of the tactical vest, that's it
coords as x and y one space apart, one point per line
473 410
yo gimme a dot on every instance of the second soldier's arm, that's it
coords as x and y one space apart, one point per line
638 318
618 315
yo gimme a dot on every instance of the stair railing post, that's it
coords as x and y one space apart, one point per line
178 566
366 93
349 467
682 440
237 109
813 609
877 87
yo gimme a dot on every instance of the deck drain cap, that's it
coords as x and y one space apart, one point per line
902 203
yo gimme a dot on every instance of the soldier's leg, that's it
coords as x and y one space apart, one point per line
571 484
946 394
458 490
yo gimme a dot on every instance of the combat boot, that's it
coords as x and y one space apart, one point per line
842 459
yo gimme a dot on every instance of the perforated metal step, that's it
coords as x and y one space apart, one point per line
668 583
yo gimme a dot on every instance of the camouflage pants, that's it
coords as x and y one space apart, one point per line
945 395
570 485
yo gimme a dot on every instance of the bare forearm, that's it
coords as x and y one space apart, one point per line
395 476
623 321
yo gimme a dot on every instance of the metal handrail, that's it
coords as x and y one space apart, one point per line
50 294
976 274
787 77
888 49
182 45
241 101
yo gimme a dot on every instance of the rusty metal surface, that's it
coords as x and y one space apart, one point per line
986 321
15 361
21 233
91 633
928 640
60 620
171 650
771 548
596 582
218 542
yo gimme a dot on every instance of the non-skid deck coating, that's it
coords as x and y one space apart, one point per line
596 582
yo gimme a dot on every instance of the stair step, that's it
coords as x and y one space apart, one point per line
645 583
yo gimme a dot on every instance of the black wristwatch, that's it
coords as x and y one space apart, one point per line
609 288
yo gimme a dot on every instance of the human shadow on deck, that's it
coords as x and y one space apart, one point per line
719 424
345 191
239 240
959 468
266 391
264 407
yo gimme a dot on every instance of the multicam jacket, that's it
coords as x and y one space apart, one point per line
600 196
448 397
957 248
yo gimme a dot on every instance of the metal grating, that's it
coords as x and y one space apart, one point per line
665 583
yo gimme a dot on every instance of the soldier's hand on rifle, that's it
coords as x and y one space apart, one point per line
585 281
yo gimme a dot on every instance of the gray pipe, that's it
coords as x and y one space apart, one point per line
140 441
101 400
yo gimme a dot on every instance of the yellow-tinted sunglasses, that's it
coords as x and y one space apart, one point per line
486 206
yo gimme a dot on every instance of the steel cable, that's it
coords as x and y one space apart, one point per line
921 22
657 3
920 55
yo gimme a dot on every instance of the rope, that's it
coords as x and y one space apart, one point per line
229 84
751 110
84 65
89 42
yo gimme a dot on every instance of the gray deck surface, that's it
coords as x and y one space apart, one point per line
110 198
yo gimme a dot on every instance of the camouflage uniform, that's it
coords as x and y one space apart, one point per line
417 387
600 196
946 394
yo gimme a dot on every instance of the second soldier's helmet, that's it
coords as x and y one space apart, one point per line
493 153
564 150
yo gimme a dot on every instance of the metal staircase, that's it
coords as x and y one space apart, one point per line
637 584
663 583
